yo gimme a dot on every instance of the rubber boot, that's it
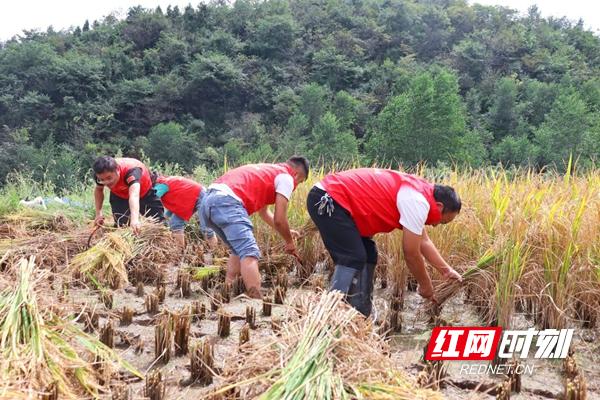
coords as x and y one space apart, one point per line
362 300
344 279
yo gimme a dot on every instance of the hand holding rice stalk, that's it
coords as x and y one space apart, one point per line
451 287
36 347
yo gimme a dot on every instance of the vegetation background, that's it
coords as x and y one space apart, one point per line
361 81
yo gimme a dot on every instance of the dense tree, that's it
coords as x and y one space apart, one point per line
331 142
407 80
424 124
168 142
566 130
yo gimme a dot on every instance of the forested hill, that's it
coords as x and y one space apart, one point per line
379 80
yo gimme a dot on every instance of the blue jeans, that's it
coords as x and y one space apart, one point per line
230 221
177 224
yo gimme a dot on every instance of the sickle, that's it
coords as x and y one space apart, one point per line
89 241
298 259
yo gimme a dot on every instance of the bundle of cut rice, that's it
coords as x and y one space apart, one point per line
52 249
450 288
120 255
325 350
42 352
105 263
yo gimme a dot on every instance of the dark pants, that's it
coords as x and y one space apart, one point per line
150 206
340 234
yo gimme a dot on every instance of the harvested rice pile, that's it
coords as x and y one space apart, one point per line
120 257
325 350
52 249
53 237
106 261
28 220
44 354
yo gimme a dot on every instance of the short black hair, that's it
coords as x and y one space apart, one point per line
300 161
448 197
104 164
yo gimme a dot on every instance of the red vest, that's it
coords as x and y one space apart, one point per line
182 195
254 184
121 189
369 195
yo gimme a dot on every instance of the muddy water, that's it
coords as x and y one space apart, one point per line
407 346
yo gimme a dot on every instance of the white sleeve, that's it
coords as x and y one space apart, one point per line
413 208
284 185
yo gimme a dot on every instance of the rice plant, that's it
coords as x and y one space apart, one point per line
323 349
106 261
40 349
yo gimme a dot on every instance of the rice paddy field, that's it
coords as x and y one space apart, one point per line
106 314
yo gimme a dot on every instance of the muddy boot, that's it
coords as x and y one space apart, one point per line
363 299
347 280
343 279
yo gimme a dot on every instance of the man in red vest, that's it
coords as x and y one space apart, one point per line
131 192
241 192
181 197
350 207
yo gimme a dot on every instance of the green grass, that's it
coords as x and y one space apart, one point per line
22 187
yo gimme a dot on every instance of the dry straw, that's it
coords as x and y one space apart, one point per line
325 350
39 349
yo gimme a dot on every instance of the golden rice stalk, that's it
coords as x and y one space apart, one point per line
39 349
223 327
450 288
29 219
202 360
163 337
267 306
106 261
181 325
107 334
126 317
198 311
399 390
324 349
155 388
251 317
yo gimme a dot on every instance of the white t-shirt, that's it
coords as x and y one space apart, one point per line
413 208
284 185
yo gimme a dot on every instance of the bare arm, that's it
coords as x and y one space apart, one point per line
134 205
431 253
411 245
433 256
267 216
99 202
280 222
